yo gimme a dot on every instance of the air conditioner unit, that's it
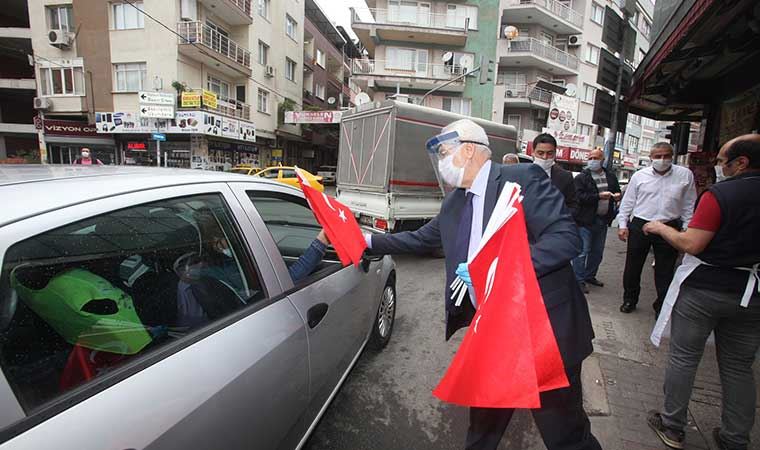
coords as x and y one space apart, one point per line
42 103
575 40
59 38
270 71
510 93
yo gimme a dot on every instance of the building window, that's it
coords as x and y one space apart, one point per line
130 77
220 87
291 27
635 119
319 91
407 59
456 15
264 8
592 54
128 17
61 81
514 120
585 130
263 54
644 26
263 101
290 69
321 58
619 139
597 13
60 18
646 144
589 94
458 105
633 144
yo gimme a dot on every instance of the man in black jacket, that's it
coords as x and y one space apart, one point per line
544 156
597 190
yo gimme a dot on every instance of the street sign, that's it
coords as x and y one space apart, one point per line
157 111
603 105
618 34
608 71
158 136
156 98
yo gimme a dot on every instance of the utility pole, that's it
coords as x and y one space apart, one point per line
609 146
44 157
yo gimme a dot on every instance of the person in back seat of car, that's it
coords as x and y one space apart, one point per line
218 262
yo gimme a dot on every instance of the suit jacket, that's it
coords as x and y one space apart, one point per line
588 197
563 180
554 241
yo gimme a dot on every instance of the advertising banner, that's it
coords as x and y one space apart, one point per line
563 113
210 99
185 122
312 116
190 100
567 139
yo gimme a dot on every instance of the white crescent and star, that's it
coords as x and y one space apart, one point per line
342 215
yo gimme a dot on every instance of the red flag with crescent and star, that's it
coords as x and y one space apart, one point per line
509 354
338 222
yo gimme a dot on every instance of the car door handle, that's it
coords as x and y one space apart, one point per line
315 314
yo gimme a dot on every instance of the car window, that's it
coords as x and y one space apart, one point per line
288 173
95 294
291 224
269 173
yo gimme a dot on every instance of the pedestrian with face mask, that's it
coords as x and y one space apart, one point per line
597 190
716 290
662 192
544 156
86 159
462 161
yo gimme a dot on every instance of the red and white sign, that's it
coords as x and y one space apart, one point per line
66 127
312 116
567 139
563 113
137 146
567 154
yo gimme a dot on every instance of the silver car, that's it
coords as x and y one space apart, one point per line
154 309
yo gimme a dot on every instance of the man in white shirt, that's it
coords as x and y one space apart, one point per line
662 192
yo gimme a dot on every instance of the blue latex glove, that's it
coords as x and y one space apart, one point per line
464 274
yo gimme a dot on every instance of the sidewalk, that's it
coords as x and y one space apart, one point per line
623 379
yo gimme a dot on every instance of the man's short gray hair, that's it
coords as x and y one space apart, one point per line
470 131
664 145
510 157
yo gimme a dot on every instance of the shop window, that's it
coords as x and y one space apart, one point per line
106 291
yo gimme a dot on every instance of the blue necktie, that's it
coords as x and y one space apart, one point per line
462 246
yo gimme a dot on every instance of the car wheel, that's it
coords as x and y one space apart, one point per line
386 315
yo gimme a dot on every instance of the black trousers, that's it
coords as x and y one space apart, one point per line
562 422
665 258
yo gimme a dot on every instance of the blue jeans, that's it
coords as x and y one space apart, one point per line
594 236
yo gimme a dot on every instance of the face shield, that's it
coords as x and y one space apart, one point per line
441 150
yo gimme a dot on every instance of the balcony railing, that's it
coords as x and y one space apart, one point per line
244 5
555 7
527 91
539 48
200 33
228 107
414 18
392 68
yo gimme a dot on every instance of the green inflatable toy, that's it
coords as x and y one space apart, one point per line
87 310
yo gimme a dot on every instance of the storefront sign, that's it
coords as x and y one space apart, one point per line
210 99
190 100
69 128
630 161
562 113
312 116
137 146
738 116
566 139
185 122
567 154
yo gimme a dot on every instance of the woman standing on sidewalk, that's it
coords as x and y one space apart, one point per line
717 289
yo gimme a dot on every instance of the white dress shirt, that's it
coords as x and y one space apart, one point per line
651 196
478 188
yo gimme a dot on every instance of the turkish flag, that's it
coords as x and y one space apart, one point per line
509 353
338 222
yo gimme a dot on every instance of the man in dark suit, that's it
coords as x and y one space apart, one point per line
462 155
544 156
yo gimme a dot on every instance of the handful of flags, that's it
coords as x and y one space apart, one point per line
509 354
338 222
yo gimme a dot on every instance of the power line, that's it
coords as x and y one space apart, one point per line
202 49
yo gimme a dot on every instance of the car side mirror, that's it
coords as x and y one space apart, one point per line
367 259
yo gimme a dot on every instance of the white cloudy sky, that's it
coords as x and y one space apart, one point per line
338 12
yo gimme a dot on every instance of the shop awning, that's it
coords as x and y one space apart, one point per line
706 53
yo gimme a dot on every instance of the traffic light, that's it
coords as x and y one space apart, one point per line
486 73
678 135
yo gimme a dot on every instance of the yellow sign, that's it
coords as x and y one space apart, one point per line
209 99
276 153
191 100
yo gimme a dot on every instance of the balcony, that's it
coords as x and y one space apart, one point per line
550 14
234 12
526 96
202 43
376 73
531 52
225 106
420 27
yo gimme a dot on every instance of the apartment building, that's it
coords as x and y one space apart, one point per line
414 47
92 58
18 137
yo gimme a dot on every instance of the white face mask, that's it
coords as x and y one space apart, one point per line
594 164
227 252
450 174
719 175
662 165
545 164
85 154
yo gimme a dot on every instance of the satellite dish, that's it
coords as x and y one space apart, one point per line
570 90
331 100
448 56
362 98
511 32
466 61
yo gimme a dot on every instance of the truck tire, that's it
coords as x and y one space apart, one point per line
382 328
